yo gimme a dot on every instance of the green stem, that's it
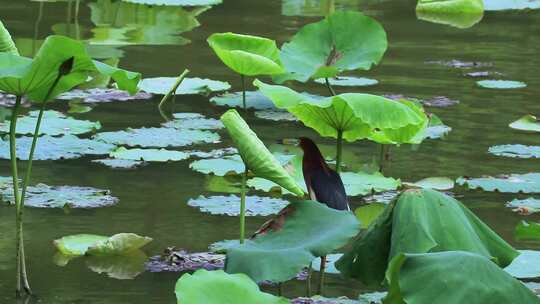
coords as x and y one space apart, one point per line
339 144
15 176
244 92
321 276
171 92
243 207
329 86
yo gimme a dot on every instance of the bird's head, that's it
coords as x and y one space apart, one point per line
307 144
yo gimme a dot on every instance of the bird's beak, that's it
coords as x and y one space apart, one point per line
289 141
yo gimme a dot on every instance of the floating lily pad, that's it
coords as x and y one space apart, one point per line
498 5
176 2
513 183
150 155
175 260
526 123
526 265
54 148
518 151
157 137
162 85
330 267
254 99
348 81
193 121
526 231
216 153
323 300
119 163
99 95
276 115
125 267
230 205
8 100
54 123
437 183
525 206
501 84
219 166
372 297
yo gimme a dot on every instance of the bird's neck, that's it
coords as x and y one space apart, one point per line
314 160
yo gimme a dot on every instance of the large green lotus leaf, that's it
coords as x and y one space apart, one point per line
343 41
55 124
6 43
44 196
526 265
76 245
225 289
525 206
519 151
176 2
24 76
118 244
349 81
451 6
459 20
194 121
526 123
54 148
357 115
247 55
421 221
157 137
439 278
255 155
219 166
150 155
230 205
528 231
123 23
124 267
501 84
367 214
512 183
162 85
497 5
301 232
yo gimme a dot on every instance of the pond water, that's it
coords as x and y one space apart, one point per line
153 199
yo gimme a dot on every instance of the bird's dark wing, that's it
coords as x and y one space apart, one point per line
328 189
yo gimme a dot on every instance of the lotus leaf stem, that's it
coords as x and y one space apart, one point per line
15 176
339 147
329 86
308 280
243 207
321 276
244 92
171 92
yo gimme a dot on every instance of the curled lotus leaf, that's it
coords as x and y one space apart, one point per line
230 205
6 42
101 95
56 124
526 265
349 81
189 86
512 183
149 155
501 84
226 289
54 148
194 121
157 137
118 244
343 41
526 123
247 55
525 206
517 151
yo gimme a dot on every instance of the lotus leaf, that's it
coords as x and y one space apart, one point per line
528 231
347 81
255 155
230 205
150 155
176 2
495 5
303 231
57 124
125 267
99 95
275 115
383 197
525 206
421 221
222 184
219 166
451 6
343 41
77 245
226 289
519 151
512 183
254 99
459 20
54 148
372 297
369 213
194 121
501 84
75 107
428 277
526 123
437 183
119 163
6 43
214 153
189 86
330 260
118 244
157 137
356 115
247 55
526 265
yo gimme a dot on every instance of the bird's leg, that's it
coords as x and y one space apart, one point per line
321 276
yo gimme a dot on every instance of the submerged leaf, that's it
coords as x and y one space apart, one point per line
55 124
349 81
226 289
150 155
512 183
526 123
189 86
301 232
519 151
501 84
230 205
157 137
